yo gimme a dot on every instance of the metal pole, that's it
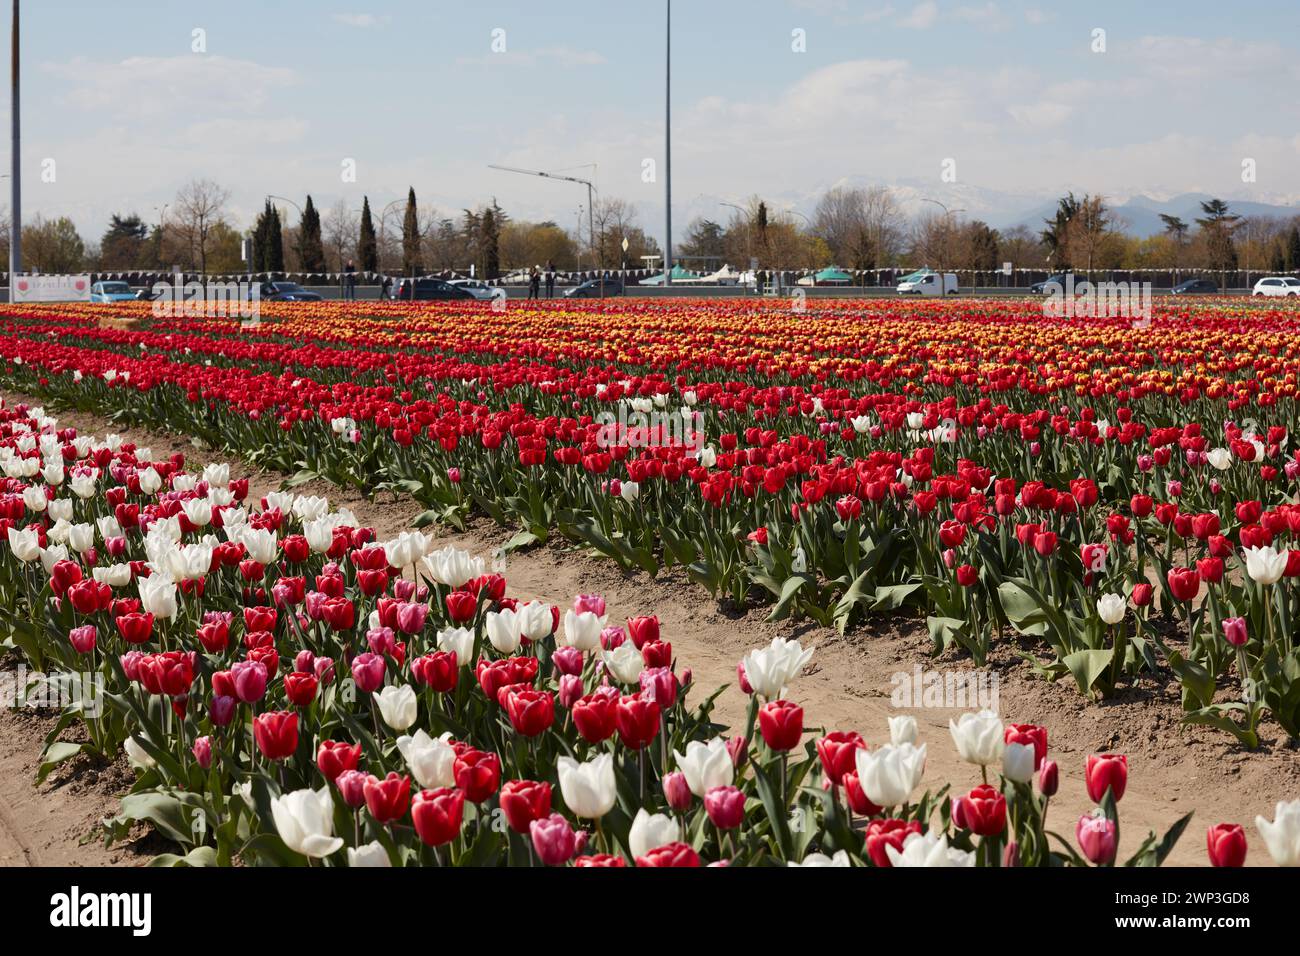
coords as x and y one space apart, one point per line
668 145
15 184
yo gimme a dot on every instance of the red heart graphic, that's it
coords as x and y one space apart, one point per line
79 284
22 285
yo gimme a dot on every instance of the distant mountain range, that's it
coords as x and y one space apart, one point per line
1137 215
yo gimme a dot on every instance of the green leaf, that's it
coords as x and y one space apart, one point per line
55 754
1087 667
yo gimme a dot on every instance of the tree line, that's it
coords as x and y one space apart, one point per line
860 229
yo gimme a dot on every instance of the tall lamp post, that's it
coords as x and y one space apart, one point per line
15 154
947 227
668 144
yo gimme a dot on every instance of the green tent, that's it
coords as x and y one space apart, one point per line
832 276
678 273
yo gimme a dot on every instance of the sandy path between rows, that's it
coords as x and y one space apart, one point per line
847 686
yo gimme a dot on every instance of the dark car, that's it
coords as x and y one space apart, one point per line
428 290
1061 279
287 292
1195 287
595 289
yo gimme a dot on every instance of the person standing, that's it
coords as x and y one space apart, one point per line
385 286
550 280
350 282
534 284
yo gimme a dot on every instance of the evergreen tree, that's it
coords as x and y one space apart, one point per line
411 237
274 242
1293 250
489 243
311 250
123 244
367 244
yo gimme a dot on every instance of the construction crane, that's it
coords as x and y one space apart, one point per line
591 187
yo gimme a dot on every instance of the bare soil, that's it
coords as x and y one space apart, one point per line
1173 769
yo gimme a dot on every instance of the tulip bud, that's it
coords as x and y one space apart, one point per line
1048 778
202 751
1097 837
1011 855
1234 631
676 791
1226 845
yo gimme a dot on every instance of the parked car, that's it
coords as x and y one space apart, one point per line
428 290
1195 287
928 283
114 291
595 289
476 287
287 292
1277 286
1062 279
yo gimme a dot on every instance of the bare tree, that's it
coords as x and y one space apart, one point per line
199 205
862 227
341 227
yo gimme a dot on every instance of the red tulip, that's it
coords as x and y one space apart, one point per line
670 855
531 711
276 734
1184 583
637 720
388 799
477 773
524 801
838 753
983 811
883 833
438 815
333 757
781 723
1226 844
1106 771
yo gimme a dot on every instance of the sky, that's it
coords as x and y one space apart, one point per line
124 102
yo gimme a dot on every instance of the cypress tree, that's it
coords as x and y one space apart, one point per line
411 236
1293 249
367 245
274 242
311 250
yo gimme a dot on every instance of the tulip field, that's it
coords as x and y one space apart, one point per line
1112 500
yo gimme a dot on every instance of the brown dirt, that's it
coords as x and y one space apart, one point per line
1174 769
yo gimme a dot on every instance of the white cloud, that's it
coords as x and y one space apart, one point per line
362 20
175 89
923 16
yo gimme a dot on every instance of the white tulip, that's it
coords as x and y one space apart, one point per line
1018 762
60 509
83 486
1219 458
1282 834
81 537
310 507
841 858
503 630
108 527
978 737
137 754
651 831
431 760
452 567
305 821
260 544
582 630
319 535
398 705
1265 565
157 596
26 545
769 669
929 850
534 619
890 773
1111 608
53 555
34 498
370 854
197 511
902 730
629 491
459 641
114 575
706 765
589 789
52 472
624 662
404 550
150 480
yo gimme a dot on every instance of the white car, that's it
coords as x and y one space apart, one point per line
928 283
1277 285
475 287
